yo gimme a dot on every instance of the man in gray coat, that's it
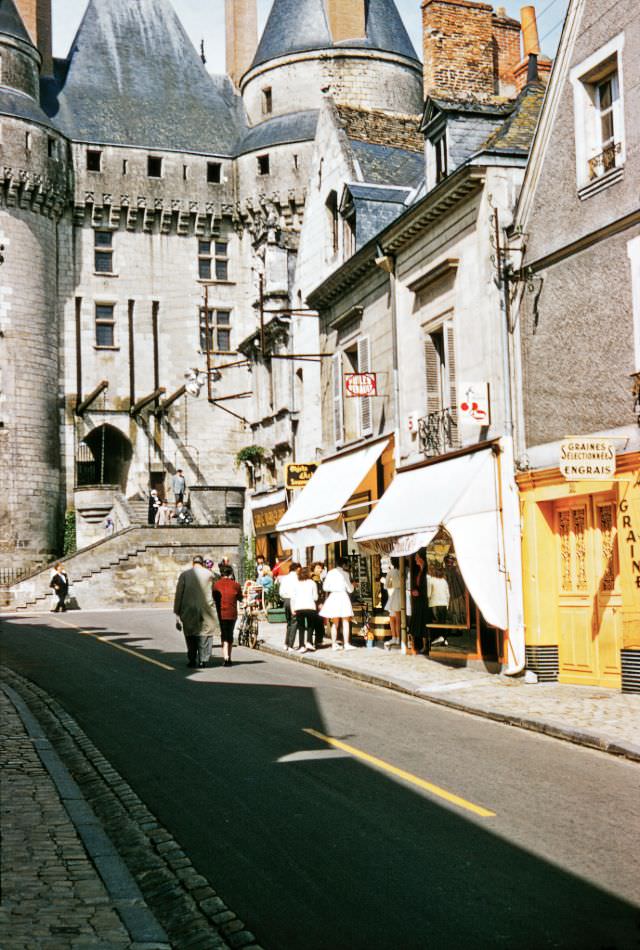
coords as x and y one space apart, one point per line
193 605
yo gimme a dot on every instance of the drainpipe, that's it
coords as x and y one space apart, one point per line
387 263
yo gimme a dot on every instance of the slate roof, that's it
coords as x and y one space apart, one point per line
21 106
280 130
375 208
134 78
11 22
297 25
382 165
517 131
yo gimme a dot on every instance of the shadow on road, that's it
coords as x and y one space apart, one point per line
313 853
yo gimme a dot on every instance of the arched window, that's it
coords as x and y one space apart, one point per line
331 205
103 458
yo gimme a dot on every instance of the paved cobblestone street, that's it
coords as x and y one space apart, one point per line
52 894
600 718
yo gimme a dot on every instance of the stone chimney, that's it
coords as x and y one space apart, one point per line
242 36
36 16
458 48
347 19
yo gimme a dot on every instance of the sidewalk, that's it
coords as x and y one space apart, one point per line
599 718
53 895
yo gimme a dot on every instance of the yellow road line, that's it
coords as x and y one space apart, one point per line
116 646
405 776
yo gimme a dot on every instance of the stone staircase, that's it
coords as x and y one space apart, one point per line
136 566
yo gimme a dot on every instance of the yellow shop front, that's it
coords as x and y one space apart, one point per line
581 567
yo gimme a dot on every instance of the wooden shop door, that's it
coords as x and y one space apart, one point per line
589 600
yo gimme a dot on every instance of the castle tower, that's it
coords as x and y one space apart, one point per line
31 203
359 53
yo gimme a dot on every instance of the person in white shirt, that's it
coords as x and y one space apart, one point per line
337 607
286 586
303 604
394 603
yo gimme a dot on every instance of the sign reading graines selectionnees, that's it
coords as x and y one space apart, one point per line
591 459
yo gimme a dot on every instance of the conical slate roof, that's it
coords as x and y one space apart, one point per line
294 26
134 78
11 22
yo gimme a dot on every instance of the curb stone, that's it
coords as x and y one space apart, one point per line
136 836
554 731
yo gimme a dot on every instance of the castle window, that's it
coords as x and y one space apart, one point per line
214 173
103 252
28 140
51 147
215 332
440 156
105 325
154 166
185 173
295 162
267 100
263 165
125 166
94 160
213 260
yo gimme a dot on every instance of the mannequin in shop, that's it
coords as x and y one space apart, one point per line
337 607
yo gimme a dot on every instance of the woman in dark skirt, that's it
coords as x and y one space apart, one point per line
419 608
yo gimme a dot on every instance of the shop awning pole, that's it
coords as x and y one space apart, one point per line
403 608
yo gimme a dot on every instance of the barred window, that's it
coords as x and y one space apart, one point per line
103 252
105 325
213 260
215 332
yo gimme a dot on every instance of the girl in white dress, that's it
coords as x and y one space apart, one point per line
394 603
337 607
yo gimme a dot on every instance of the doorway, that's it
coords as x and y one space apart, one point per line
588 590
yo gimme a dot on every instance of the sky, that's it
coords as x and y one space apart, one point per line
205 20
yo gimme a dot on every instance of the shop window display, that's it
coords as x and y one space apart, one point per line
450 615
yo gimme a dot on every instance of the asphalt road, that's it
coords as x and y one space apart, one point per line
315 847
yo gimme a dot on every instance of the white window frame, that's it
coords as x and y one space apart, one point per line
584 78
633 253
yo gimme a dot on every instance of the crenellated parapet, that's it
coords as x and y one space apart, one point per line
33 191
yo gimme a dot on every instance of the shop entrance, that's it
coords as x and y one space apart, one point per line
588 590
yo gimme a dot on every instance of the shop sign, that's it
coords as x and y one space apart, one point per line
265 519
473 404
297 474
590 459
361 385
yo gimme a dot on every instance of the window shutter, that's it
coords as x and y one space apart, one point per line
365 413
432 371
450 363
338 405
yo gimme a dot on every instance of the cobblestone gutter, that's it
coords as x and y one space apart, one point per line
183 901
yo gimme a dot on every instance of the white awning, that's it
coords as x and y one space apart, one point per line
462 495
278 497
315 517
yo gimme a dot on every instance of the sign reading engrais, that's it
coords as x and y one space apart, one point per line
297 474
591 459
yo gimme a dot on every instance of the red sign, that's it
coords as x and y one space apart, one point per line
361 385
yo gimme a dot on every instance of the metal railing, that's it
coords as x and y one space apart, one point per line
605 161
438 433
11 575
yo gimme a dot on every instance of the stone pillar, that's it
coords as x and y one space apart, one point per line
242 36
347 19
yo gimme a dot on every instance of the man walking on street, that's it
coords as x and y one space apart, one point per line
179 486
193 605
227 593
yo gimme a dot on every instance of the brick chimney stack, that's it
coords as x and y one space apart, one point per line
506 39
458 48
347 19
36 16
242 36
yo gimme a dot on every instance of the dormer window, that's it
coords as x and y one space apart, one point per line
94 160
267 100
440 157
154 166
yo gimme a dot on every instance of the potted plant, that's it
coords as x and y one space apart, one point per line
274 605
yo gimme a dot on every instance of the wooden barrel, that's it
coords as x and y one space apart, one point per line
380 627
